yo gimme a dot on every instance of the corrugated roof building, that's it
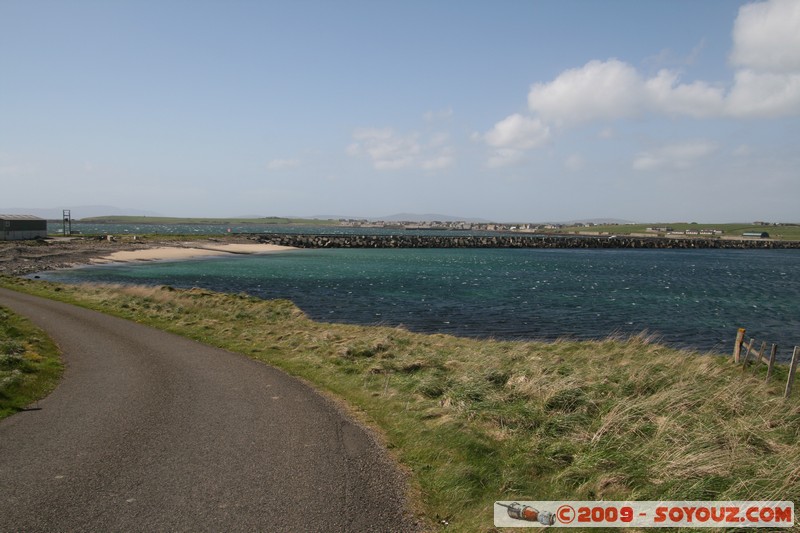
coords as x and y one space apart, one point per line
19 227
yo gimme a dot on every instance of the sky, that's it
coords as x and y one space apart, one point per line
508 110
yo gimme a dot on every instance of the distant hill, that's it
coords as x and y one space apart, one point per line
77 212
598 221
404 217
125 219
413 217
432 217
105 211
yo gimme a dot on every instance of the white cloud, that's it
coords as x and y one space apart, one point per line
598 90
278 164
766 47
385 148
766 95
574 163
766 84
443 160
766 51
675 156
514 135
766 36
664 94
501 157
517 131
391 151
614 89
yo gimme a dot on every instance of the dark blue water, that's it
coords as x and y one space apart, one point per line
691 298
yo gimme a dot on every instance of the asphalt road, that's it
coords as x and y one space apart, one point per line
149 431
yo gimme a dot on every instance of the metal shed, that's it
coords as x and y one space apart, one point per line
756 234
19 227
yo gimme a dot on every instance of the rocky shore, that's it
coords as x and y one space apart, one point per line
513 241
18 258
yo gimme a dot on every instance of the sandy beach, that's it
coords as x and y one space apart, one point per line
187 251
19 258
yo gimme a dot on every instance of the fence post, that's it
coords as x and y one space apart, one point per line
792 368
761 351
772 354
747 355
737 348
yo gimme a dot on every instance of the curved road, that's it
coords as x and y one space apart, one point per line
149 431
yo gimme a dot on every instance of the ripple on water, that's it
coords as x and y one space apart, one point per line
692 298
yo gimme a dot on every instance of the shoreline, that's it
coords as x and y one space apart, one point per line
181 253
20 258
520 241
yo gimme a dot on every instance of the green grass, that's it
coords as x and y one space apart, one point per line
785 232
215 221
30 364
476 421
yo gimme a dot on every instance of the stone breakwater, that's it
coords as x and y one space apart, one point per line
513 241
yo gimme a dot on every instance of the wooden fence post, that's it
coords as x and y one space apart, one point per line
737 348
792 368
747 355
761 351
772 355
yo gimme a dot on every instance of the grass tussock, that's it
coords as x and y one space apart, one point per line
480 420
30 365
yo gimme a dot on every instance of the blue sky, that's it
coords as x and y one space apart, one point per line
532 111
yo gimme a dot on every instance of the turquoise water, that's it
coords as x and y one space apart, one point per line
691 298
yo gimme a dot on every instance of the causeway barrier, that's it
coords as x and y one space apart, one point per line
514 241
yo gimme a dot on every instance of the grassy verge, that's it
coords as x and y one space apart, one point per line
478 421
30 365
784 232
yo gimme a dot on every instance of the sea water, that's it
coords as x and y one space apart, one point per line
689 298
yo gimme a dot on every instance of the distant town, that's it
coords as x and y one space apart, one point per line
449 225
16 226
589 228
